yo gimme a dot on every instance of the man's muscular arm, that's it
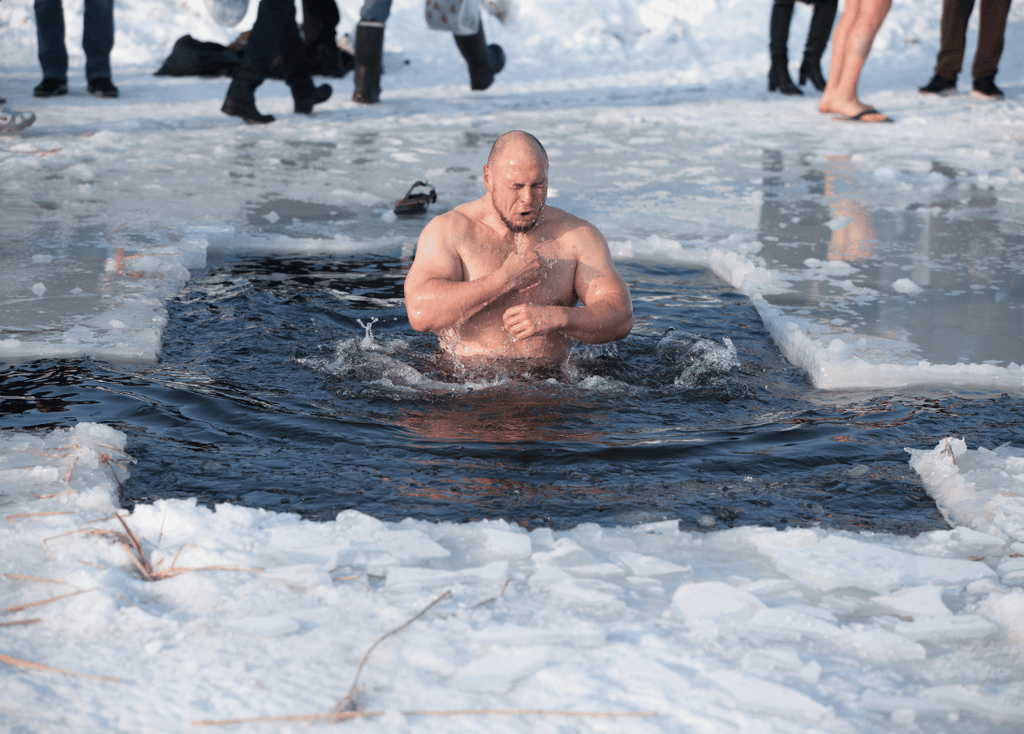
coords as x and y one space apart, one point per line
436 294
607 312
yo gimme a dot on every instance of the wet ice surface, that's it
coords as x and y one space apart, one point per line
903 258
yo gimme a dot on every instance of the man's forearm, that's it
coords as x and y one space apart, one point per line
440 304
598 323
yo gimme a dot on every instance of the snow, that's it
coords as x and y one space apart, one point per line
239 613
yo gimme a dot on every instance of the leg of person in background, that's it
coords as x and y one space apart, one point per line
97 42
320 20
952 39
778 75
369 53
274 34
483 61
851 44
817 39
53 55
991 29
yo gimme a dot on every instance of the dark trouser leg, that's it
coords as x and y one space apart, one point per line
53 55
98 38
817 39
483 61
319 22
778 76
991 29
263 50
953 37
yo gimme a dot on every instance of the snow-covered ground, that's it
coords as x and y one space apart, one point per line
661 132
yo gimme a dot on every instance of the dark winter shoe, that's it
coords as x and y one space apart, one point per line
14 122
940 85
985 88
810 69
50 87
318 95
482 60
247 112
102 87
778 78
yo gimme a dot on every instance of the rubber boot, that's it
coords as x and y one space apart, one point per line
241 97
483 61
778 76
369 52
817 38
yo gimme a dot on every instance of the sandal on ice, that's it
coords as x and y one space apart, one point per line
416 203
859 117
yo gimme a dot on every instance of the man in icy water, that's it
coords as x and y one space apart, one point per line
507 279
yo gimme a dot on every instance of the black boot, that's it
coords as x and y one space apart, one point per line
369 52
483 61
307 96
817 38
241 97
778 76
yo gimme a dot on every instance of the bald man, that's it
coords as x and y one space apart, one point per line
507 277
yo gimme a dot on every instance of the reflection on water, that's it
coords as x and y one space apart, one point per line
955 239
298 384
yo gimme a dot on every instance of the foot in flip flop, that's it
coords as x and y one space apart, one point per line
868 115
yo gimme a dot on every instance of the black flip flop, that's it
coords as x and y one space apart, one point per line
416 203
859 117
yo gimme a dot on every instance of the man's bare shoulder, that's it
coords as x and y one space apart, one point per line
453 225
570 229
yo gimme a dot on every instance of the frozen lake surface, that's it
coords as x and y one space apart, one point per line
822 533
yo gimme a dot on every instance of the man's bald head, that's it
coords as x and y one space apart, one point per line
513 140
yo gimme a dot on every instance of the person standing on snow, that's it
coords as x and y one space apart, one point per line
97 42
274 36
817 38
483 61
953 38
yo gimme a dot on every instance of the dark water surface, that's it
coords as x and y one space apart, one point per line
297 384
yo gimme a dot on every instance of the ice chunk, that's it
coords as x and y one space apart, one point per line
947 628
712 599
498 673
836 561
761 696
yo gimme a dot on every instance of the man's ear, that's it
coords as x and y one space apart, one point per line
487 178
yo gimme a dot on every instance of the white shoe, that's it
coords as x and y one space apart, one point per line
14 122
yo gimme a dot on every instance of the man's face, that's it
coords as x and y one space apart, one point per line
518 185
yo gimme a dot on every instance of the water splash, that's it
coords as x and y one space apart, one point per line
702 361
368 342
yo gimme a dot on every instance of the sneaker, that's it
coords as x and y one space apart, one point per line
940 85
14 122
51 87
102 87
985 88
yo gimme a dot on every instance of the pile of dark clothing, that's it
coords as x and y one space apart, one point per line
190 57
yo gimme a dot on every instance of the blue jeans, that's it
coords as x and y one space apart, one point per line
375 10
97 38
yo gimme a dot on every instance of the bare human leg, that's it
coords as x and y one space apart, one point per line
851 43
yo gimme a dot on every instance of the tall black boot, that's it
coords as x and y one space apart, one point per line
778 76
817 38
241 97
369 53
483 61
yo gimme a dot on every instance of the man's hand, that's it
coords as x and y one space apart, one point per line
524 269
526 320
